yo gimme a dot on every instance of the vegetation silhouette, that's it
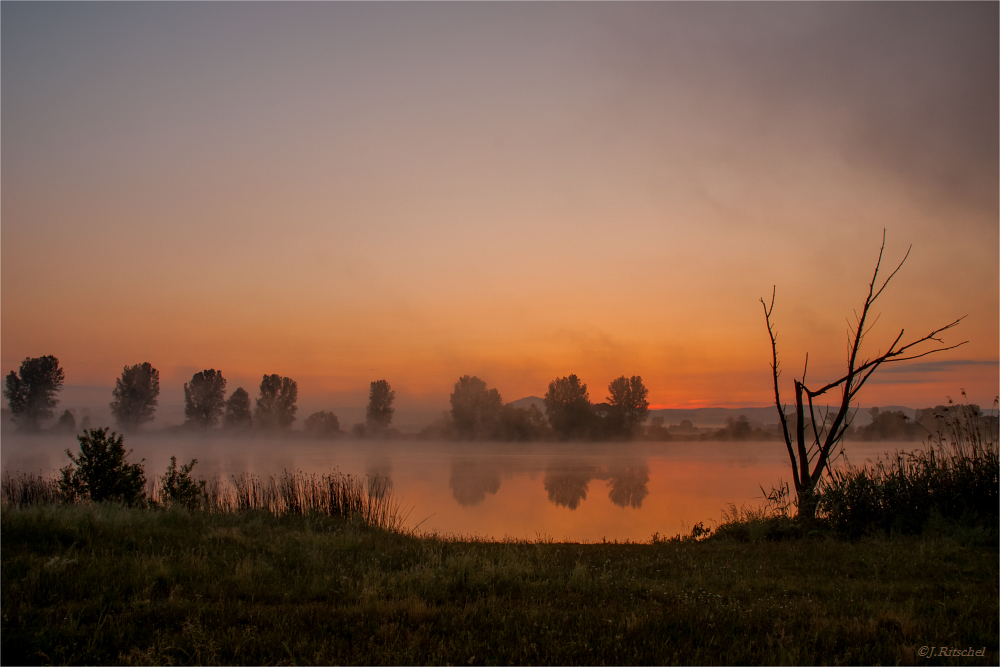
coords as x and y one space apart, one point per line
135 396
66 422
238 414
475 410
31 394
204 398
378 413
177 487
890 425
276 403
811 452
521 424
322 424
568 408
101 472
627 406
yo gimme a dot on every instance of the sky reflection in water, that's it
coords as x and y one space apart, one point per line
562 491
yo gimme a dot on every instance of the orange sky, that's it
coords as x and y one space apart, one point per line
341 193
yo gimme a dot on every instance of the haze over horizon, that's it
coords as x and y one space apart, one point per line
340 193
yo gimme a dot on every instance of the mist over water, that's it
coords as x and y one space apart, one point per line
563 491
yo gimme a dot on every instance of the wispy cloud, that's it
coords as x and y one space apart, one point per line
937 366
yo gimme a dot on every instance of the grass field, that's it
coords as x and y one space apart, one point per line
106 584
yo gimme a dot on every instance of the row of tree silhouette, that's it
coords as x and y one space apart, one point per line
31 396
479 413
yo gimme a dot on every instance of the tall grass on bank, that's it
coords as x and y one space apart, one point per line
956 477
298 493
25 489
369 500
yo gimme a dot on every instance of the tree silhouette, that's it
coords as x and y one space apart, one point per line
204 398
521 424
378 414
135 395
627 405
475 410
322 424
101 472
276 404
238 413
567 405
66 422
810 453
31 395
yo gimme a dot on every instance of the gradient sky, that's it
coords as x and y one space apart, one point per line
346 192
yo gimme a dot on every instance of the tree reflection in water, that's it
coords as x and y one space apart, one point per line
379 468
567 486
472 479
566 481
628 485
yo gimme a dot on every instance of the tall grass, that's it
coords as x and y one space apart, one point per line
369 500
334 494
956 477
25 489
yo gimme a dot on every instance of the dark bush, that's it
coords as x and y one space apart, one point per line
100 472
955 477
322 424
179 488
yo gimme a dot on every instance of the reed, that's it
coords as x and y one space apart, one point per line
26 489
955 477
369 500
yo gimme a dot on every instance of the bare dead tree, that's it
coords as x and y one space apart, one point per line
816 441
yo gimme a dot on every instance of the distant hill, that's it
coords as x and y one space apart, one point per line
529 400
716 417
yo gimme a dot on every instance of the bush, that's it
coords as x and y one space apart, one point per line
100 472
322 424
955 478
178 487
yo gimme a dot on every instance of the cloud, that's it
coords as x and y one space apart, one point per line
937 366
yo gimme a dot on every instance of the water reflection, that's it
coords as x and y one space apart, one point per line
566 481
628 485
568 491
380 468
472 479
567 486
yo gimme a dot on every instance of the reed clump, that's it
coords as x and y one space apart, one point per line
296 493
952 483
954 478
26 489
369 500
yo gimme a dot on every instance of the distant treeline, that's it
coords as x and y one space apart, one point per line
477 411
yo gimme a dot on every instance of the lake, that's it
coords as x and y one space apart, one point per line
579 492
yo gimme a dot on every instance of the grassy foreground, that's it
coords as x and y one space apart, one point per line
105 584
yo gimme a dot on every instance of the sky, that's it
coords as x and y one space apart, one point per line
341 193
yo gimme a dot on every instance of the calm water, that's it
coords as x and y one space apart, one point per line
565 492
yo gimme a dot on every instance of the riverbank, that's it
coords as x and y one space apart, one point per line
104 584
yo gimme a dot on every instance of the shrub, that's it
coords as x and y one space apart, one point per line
178 488
955 476
322 424
100 472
